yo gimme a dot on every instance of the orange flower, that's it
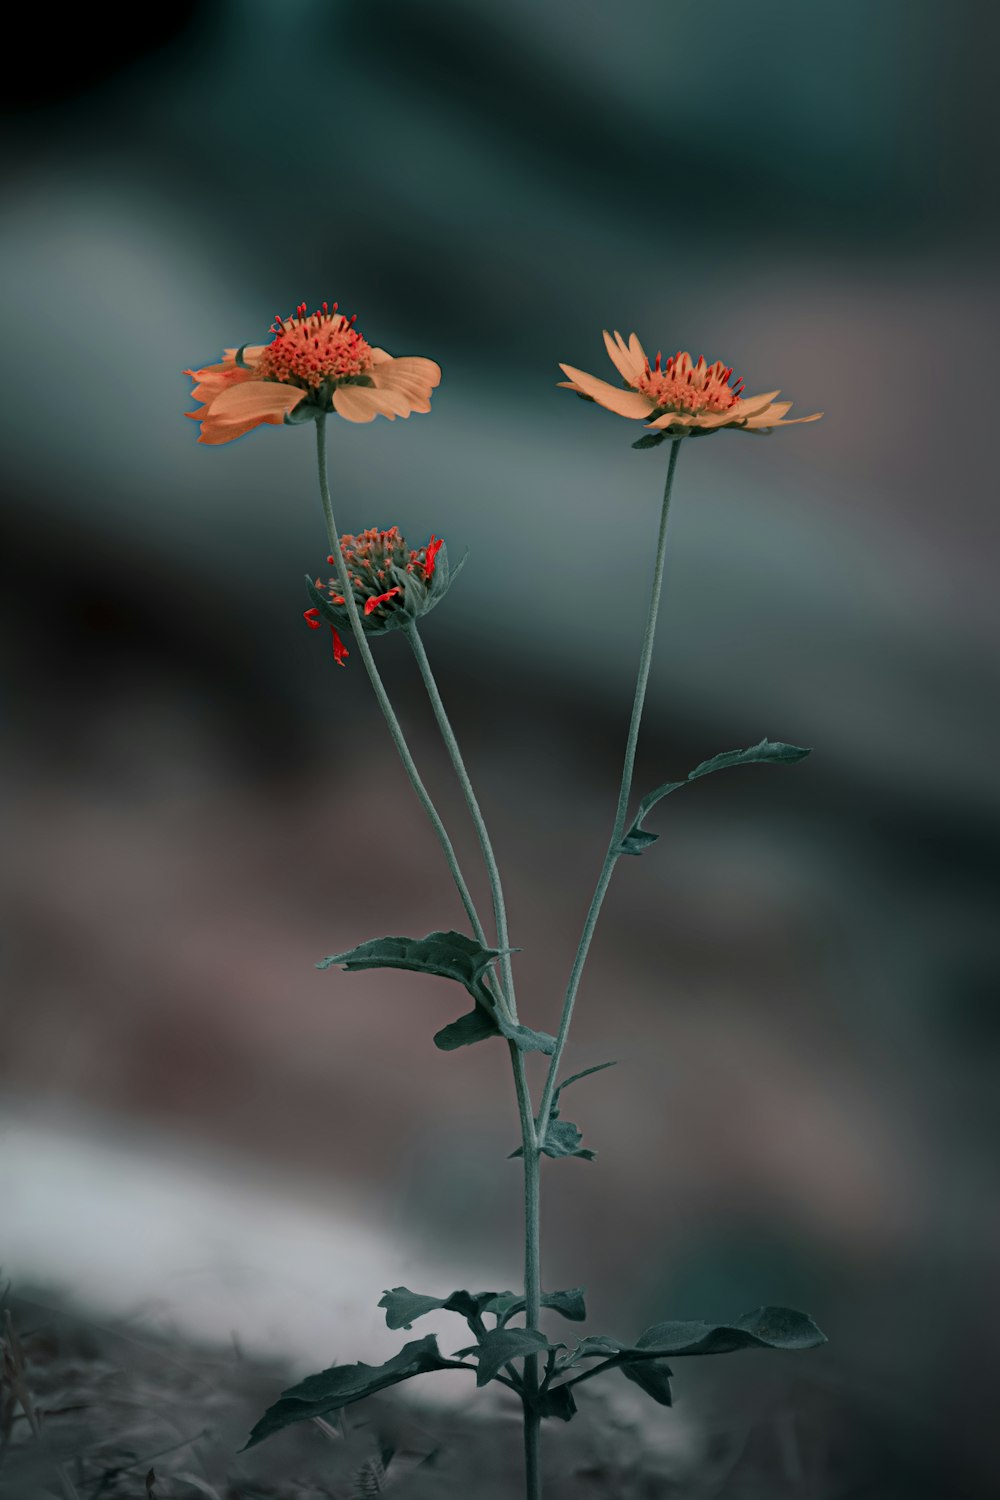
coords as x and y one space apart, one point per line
311 366
681 398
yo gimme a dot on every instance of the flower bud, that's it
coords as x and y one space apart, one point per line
393 584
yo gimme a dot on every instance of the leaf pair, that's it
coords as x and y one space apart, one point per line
643 1362
403 1307
451 955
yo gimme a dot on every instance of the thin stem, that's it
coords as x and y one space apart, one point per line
533 1298
610 859
448 735
529 1141
380 692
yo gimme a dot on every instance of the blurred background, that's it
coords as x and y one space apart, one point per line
798 981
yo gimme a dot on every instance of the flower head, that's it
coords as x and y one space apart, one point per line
393 584
678 397
313 364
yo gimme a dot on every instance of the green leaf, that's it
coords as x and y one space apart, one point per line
402 1306
767 752
575 1077
569 1303
480 1024
474 1027
526 1040
652 1376
340 1385
764 1328
558 1401
594 1346
306 411
451 955
562 1138
501 1345
651 440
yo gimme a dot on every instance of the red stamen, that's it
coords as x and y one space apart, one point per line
433 548
372 604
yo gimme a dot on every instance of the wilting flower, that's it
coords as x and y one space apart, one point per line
312 365
678 397
393 584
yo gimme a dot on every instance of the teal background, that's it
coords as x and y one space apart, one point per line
799 980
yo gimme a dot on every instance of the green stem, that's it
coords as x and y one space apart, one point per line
529 1140
533 1297
448 735
380 693
612 855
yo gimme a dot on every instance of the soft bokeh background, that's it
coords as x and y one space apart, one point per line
798 982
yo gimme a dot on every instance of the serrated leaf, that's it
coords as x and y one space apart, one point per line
403 1307
562 1138
767 752
339 1386
651 440
501 1345
652 1376
594 1346
451 955
569 1303
476 1026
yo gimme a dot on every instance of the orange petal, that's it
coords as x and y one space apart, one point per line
223 432
709 420
401 393
749 406
636 350
620 357
417 368
770 413
625 403
672 419
255 401
355 402
208 388
791 421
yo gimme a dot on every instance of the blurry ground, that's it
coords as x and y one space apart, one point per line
799 980
107 1410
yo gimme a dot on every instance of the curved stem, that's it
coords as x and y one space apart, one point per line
610 859
380 693
448 735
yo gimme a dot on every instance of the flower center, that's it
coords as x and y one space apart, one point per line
680 385
308 351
